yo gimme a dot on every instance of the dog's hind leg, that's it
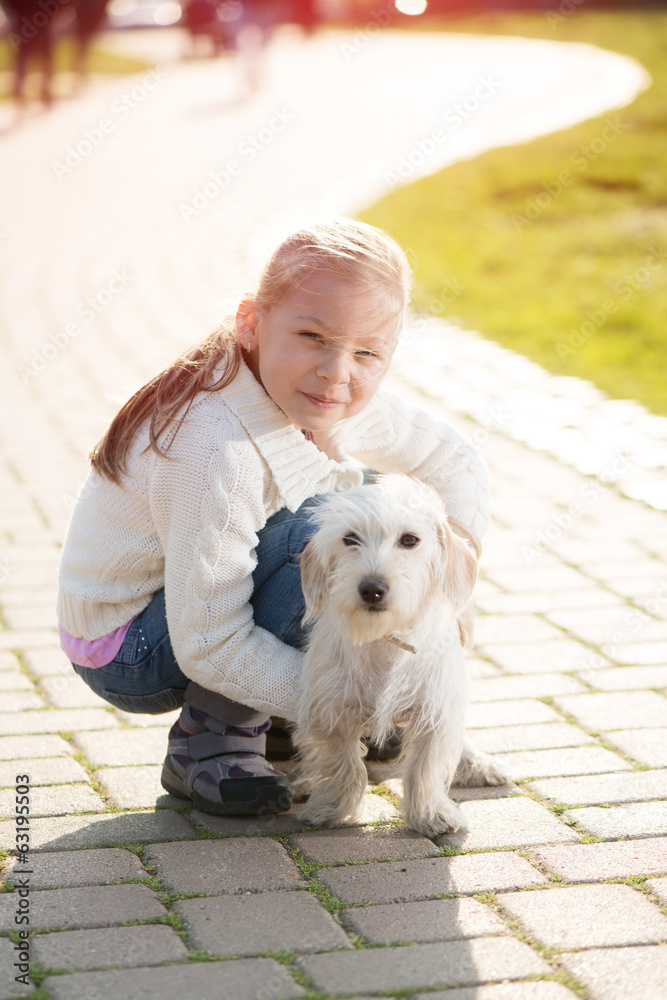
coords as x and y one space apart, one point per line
334 772
429 766
476 769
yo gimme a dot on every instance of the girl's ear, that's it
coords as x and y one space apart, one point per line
246 323
459 566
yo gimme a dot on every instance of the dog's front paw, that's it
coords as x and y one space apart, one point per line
477 769
323 813
300 786
316 815
444 817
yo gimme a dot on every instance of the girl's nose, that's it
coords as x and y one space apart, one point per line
335 369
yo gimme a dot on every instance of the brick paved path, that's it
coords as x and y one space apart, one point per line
103 281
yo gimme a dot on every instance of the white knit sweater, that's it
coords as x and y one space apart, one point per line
189 522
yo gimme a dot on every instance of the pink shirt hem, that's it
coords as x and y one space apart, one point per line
93 653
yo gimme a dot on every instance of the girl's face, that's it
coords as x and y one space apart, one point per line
321 352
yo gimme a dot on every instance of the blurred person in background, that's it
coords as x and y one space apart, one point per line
204 21
258 21
89 19
31 38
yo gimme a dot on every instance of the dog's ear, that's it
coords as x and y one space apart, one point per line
459 566
313 579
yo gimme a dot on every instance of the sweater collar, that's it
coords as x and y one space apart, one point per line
300 468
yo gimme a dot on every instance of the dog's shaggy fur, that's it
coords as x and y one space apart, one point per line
387 584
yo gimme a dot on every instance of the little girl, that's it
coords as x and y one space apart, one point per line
179 583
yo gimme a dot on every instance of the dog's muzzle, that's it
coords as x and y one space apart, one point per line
373 592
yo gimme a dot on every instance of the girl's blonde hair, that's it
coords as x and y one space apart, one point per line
353 251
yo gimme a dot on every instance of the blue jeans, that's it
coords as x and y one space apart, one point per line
145 677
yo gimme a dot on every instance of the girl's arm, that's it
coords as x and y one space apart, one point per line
209 499
390 435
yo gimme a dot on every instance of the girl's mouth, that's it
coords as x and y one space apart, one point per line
322 402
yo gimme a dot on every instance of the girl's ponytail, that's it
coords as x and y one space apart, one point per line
161 399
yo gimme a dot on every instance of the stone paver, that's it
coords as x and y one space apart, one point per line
136 787
616 710
423 965
587 916
547 736
56 800
507 628
561 762
370 844
44 771
26 639
216 867
626 678
245 979
18 747
551 656
538 577
637 653
70 692
659 886
594 862
509 822
138 719
509 713
403 881
644 819
462 793
637 786
55 720
509 991
70 869
48 663
20 701
423 922
617 974
648 746
121 947
63 833
550 604
9 662
250 826
92 906
124 747
14 680
533 686
260 922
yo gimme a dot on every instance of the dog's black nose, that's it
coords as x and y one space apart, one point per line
372 591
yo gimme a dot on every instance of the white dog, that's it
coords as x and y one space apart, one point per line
387 584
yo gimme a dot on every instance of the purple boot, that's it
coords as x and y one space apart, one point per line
216 758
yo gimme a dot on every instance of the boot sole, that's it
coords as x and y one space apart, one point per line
272 796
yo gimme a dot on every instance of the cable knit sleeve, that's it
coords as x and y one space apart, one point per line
390 435
209 499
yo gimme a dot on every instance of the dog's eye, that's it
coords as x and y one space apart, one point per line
408 541
351 539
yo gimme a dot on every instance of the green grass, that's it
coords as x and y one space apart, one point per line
100 63
570 272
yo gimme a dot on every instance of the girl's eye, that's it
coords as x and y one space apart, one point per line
351 539
367 354
310 334
408 541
